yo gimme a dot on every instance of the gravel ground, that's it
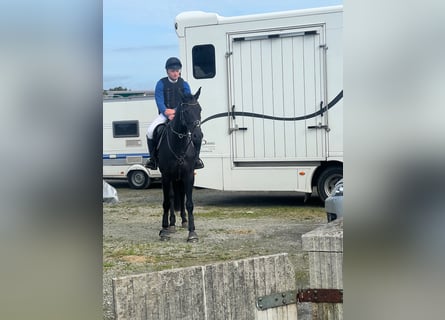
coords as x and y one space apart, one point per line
230 225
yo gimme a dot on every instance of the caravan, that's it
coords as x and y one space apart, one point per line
125 122
272 111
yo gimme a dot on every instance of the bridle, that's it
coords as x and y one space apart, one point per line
196 123
188 134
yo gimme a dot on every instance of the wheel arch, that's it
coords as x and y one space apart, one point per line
137 170
323 166
319 178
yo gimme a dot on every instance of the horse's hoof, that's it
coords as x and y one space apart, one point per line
193 237
185 224
172 229
164 235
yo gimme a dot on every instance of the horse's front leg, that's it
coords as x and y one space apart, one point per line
193 236
181 199
164 233
172 223
184 222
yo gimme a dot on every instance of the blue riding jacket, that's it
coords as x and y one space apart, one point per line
167 93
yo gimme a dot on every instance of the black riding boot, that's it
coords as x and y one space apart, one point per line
198 162
151 163
197 139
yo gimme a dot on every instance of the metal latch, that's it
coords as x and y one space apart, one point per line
320 295
237 128
275 300
320 126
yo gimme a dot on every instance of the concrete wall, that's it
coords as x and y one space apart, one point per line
217 291
325 249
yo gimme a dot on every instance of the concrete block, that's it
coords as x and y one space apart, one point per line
216 291
325 249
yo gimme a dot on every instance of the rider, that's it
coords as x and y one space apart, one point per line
168 96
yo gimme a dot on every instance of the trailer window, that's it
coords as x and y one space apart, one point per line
203 61
125 129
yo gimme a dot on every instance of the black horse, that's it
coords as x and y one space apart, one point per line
176 157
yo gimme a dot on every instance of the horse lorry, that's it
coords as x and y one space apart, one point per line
272 107
125 122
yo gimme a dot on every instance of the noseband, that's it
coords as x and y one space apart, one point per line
196 123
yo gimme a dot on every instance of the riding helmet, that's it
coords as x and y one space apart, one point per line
173 63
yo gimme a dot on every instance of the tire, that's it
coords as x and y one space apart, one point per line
327 180
138 179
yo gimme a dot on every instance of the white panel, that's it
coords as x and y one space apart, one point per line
278 77
267 94
310 93
257 103
288 93
313 93
299 96
277 93
237 93
245 103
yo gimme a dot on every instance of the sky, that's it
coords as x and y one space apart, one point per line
139 35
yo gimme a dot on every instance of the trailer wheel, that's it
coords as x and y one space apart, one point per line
138 179
327 180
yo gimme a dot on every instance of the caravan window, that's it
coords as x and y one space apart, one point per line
203 61
125 129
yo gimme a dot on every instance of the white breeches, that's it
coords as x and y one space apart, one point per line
157 121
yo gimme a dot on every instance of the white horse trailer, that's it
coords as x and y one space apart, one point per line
125 123
271 97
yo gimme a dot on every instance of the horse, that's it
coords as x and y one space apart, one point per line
176 158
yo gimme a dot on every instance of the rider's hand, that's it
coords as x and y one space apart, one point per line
170 113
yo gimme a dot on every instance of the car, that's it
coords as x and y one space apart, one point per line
334 203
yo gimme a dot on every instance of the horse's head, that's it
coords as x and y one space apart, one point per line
189 111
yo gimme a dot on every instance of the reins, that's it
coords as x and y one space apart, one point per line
181 135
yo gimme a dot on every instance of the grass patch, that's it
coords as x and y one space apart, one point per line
252 213
122 252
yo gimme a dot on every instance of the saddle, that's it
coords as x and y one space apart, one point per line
158 135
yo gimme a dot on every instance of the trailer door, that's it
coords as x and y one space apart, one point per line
277 90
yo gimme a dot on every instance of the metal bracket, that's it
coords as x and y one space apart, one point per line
276 300
320 126
237 128
320 295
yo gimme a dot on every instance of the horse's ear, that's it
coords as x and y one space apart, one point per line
196 95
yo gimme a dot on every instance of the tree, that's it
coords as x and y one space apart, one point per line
119 89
